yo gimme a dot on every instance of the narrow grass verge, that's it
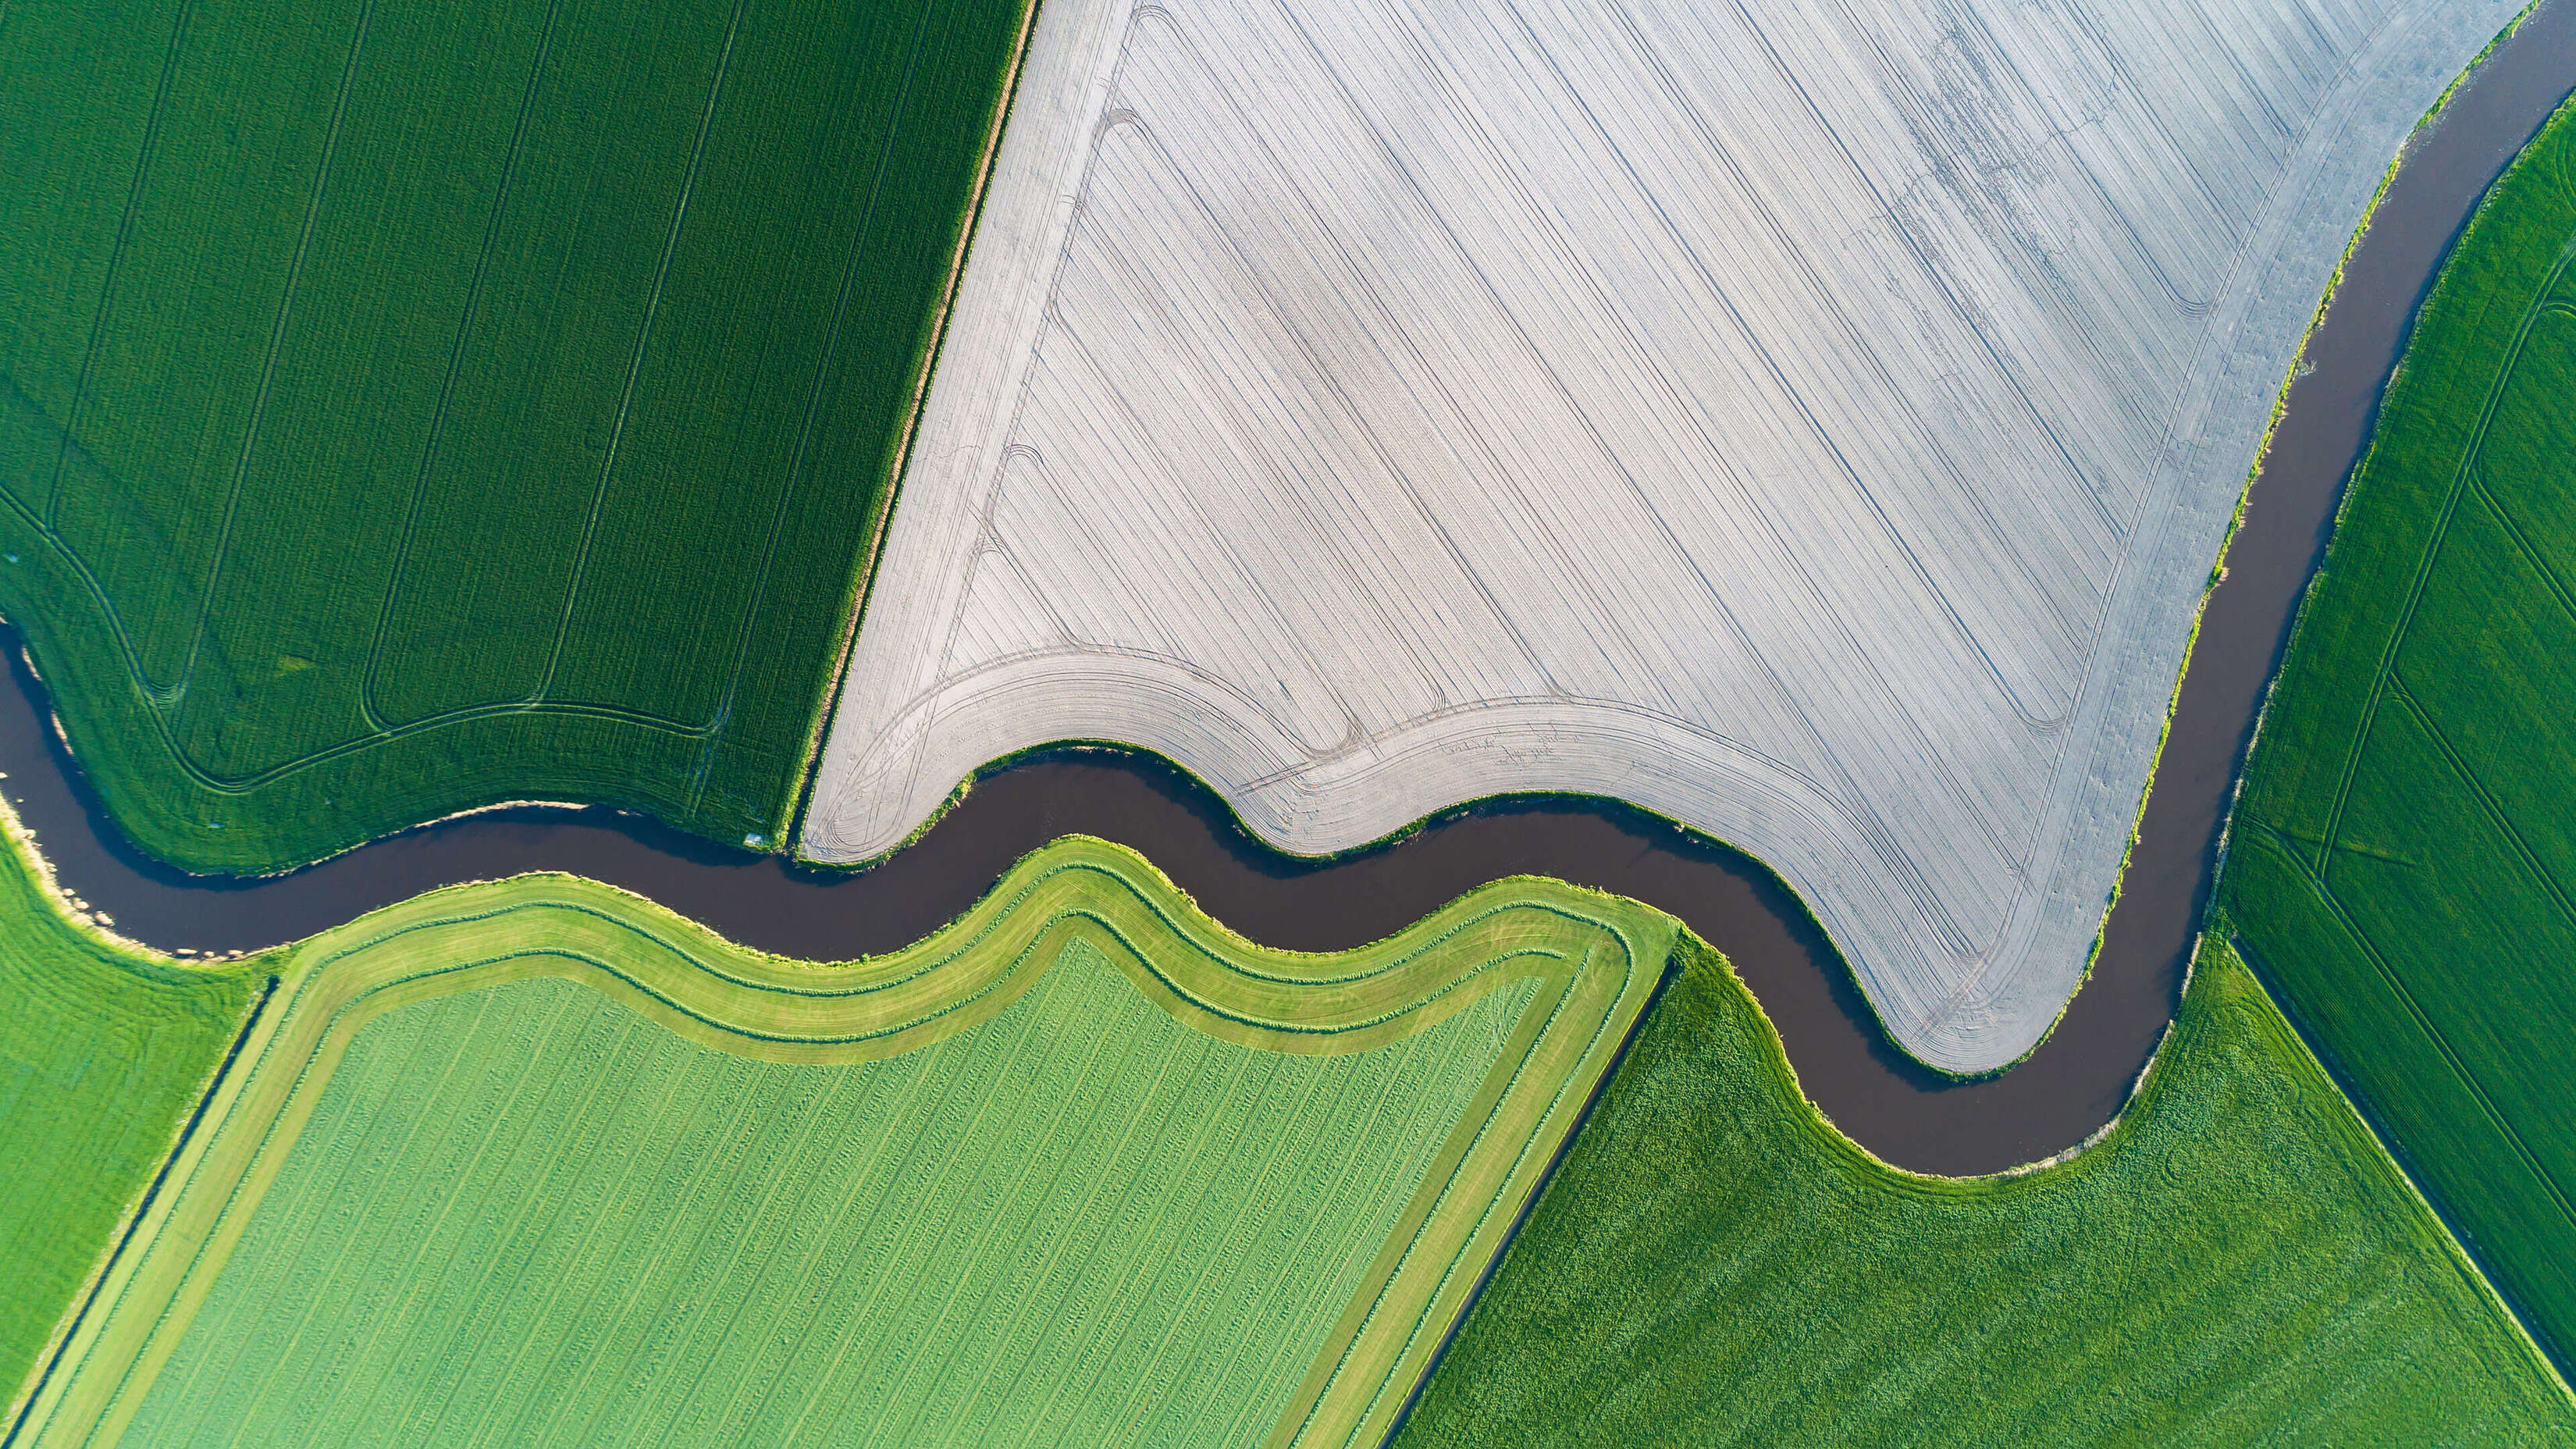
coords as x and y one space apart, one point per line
104 1052
2402 865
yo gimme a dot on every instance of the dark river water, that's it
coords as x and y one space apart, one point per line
1905 1113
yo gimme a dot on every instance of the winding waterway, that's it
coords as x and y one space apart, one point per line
1907 1114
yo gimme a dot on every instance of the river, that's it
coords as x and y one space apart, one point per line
2073 1083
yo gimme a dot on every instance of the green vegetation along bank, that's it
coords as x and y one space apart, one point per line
2235 1262
406 407
103 1053
2402 867
493 1161
538 1162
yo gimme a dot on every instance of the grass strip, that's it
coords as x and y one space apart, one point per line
476 1139
104 1052
2402 864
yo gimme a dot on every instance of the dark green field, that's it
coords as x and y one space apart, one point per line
2403 865
102 1056
408 406
2237 1263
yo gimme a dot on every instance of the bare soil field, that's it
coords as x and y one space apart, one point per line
1814 423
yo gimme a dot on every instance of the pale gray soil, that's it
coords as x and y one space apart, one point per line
1814 421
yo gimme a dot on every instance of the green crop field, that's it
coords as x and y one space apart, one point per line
2237 1262
2402 867
536 1161
103 1053
406 406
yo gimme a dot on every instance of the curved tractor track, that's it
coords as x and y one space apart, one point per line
2076 1081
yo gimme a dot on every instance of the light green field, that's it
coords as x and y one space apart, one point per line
2236 1263
2403 866
406 406
538 1162
103 1053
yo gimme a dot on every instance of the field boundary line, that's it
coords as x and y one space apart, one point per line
134 1217
2550 885
823 370
862 578
702 769
1485 1215
2460 1239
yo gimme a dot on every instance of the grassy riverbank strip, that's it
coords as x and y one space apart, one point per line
2402 865
105 1050
532 1149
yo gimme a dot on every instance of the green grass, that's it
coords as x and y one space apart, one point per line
2237 1262
2402 867
1033 1234
536 1161
406 407
103 1053
525 1161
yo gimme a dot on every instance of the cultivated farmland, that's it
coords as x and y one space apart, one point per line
2236 1262
2403 864
406 406
537 1160
103 1052
1815 422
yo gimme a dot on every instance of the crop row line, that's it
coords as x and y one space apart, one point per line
278 324
2522 541
2450 1056
805 428
116 253
465 316
2469 454
643 345
2488 805
222 784
161 699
